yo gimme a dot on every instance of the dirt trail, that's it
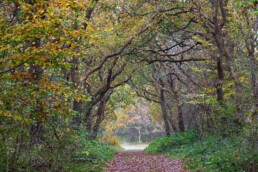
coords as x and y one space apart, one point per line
130 147
139 161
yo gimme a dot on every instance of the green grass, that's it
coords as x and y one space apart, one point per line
210 153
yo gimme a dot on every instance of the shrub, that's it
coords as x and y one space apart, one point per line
166 143
211 153
110 140
90 155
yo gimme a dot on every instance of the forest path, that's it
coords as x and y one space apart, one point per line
127 146
139 161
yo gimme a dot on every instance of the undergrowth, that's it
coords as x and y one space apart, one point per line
207 153
75 152
91 155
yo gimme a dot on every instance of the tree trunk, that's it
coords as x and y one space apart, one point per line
75 75
253 70
218 83
254 109
88 117
75 78
100 116
173 126
36 130
178 106
180 119
139 134
164 111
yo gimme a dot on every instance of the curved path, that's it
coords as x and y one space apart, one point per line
139 161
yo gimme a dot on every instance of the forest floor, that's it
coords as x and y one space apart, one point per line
139 161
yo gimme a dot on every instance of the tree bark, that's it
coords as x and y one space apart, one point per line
254 109
139 134
36 130
100 116
164 111
173 126
253 69
218 83
180 115
178 106
75 78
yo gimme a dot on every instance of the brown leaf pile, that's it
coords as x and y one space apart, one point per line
139 161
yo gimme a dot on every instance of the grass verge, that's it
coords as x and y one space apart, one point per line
208 153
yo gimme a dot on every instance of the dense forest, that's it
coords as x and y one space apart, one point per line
76 73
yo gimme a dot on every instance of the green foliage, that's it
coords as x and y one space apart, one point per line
110 140
91 156
225 119
164 144
73 152
210 153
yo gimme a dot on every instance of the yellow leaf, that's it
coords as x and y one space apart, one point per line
87 153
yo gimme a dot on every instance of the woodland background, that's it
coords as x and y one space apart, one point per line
72 74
